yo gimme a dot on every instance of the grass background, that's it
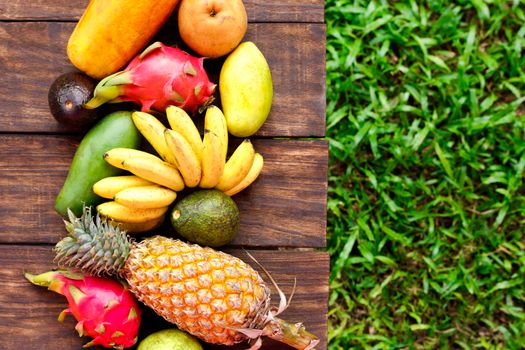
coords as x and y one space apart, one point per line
425 118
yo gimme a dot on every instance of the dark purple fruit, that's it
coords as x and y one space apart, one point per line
66 98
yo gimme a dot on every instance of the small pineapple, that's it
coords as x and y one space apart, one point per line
212 295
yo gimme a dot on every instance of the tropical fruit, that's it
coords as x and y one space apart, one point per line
206 217
159 77
104 308
169 339
246 90
209 294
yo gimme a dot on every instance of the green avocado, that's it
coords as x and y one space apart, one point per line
206 217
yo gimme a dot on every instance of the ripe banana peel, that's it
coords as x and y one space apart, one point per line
188 162
237 167
153 131
123 213
253 173
146 197
181 122
108 187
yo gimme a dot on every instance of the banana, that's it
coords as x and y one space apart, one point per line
237 167
137 227
155 170
181 122
153 131
145 197
109 186
117 156
212 160
188 163
255 170
119 212
215 122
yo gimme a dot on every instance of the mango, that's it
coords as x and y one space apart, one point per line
246 90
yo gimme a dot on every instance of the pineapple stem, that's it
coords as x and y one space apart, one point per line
294 335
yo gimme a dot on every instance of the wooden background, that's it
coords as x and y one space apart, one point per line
283 215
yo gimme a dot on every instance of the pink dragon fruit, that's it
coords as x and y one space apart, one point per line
159 77
104 308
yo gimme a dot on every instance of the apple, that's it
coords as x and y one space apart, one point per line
212 28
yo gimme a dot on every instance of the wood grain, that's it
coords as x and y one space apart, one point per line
258 11
286 206
28 313
32 55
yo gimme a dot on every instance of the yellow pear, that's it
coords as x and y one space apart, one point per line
246 90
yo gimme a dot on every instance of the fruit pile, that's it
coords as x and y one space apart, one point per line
114 187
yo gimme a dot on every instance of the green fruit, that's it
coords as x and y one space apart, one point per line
206 217
169 339
115 130
246 90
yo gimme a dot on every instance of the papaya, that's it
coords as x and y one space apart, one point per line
111 32
88 166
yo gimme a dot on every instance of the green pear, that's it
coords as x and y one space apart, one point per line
246 90
169 339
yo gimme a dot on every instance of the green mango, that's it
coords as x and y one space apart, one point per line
246 90
88 166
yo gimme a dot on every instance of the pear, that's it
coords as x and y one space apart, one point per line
246 90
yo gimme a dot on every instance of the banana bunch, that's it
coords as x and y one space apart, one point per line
137 205
200 161
140 201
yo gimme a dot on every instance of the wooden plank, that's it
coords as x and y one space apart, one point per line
28 313
258 11
286 206
32 55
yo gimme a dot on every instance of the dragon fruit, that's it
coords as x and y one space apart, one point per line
104 308
160 76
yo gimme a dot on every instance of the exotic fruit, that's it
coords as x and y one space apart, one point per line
209 294
159 77
104 308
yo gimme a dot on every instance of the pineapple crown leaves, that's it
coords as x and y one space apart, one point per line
92 245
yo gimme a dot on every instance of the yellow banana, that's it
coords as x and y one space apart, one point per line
237 167
212 160
145 197
137 227
117 156
153 131
255 170
109 186
188 162
119 212
155 170
215 122
181 122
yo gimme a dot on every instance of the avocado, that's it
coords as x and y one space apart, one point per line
206 217
66 98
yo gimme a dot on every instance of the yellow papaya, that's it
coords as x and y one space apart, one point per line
111 32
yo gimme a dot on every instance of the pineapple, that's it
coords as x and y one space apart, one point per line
210 294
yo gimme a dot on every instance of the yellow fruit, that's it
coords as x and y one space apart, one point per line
212 160
181 122
109 186
155 170
215 122
145 197
207 293
252 175
138 227
110 33
119 212
189 164
246 90
117 156
237 167
153 131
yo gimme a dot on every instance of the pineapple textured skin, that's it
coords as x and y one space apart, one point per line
205 292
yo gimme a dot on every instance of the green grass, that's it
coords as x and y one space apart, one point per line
426 209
